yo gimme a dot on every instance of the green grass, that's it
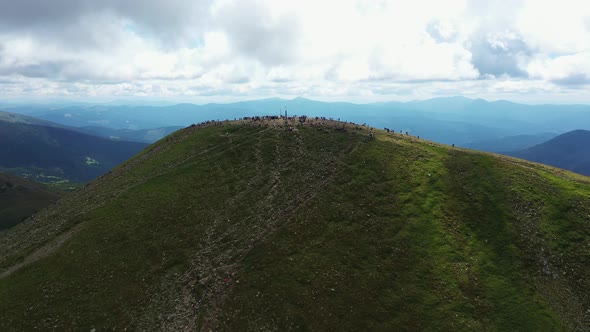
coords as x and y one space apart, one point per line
247 227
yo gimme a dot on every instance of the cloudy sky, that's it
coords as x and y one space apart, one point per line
216 50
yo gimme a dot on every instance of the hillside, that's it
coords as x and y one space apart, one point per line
149 135
54 154
569 151
20 198
258 225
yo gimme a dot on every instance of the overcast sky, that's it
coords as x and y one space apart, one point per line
222 50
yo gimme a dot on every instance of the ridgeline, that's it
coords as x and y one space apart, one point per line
276 224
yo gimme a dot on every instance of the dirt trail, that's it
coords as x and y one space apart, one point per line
44 251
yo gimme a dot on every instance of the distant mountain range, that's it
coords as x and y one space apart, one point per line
21 198
52 153
569 151
455 120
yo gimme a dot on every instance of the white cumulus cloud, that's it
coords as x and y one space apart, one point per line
346 49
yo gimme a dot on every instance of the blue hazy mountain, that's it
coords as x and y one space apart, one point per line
569 151
10 117
510 143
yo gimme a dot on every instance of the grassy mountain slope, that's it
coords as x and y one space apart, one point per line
569 151
52 154
248 226
20 198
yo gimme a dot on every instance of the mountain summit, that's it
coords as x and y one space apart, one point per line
305 224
